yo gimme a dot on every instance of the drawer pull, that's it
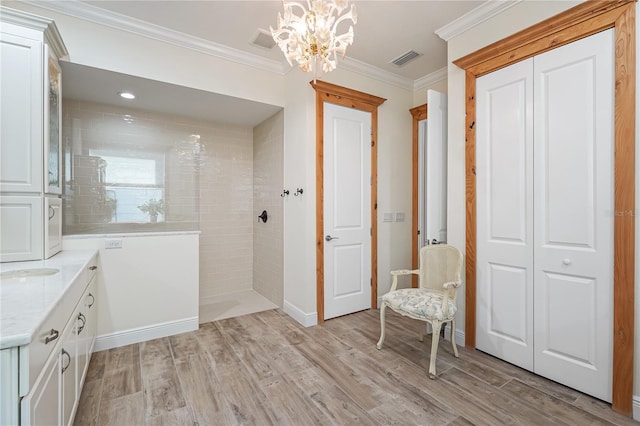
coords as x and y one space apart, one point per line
93 268
52 212
53 335
82 319
93 300
64 368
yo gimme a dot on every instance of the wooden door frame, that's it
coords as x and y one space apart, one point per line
418 114
578 22
327 92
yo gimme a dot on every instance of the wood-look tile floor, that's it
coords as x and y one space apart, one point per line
265 368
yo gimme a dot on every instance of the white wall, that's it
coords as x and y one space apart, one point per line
146 289
111 49
107 48
394 184
420 94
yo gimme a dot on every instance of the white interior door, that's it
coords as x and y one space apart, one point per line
544 214
422 140
573 172
347 210
435 169
504 280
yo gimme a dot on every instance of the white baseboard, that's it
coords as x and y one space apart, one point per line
636 408
142 334
307 320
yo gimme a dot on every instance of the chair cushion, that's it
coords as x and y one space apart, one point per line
420 303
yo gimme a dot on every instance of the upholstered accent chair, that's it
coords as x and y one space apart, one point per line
434 301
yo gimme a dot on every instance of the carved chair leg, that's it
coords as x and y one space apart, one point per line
381 341
453 337
435 336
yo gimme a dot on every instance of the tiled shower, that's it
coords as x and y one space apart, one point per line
212 177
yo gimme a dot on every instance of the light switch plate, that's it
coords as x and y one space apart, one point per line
387 217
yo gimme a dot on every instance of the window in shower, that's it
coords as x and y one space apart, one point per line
133 185
129 170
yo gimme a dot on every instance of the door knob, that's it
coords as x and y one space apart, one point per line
329 238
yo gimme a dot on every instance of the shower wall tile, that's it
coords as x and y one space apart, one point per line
226 211
268 180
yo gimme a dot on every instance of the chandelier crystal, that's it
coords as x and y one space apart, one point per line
309 37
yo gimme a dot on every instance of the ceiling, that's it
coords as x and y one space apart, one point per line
384 31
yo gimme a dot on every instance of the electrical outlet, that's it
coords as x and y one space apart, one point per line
400 217
113 244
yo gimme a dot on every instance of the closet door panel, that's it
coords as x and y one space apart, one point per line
504 214
573 204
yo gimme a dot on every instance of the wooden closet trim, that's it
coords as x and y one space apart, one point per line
327 92
576 23
418 113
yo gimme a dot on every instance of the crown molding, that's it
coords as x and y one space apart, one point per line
121 22
430 79
476 16
377 73
118 21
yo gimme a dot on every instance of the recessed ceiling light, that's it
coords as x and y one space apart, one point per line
127 95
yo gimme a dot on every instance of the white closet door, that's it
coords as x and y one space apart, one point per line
504 139
573 172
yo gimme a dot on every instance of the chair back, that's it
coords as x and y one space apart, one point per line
439 263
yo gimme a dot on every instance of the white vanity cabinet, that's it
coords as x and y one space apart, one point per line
42 405
42 379
30 135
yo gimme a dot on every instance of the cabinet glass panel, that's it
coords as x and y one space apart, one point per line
53 142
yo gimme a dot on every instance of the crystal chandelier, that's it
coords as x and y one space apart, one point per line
309 37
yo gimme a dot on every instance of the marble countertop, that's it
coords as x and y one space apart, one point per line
27 301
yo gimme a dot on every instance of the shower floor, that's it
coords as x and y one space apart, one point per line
235 305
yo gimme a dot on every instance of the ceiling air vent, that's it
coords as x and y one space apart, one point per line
405 57
263 39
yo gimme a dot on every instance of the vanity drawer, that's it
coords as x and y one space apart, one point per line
45 340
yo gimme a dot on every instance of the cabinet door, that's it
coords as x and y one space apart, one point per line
52 226
41 406
21 228
21 114
68 372
86 330
52 129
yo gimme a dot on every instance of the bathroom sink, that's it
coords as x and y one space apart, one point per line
28 273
